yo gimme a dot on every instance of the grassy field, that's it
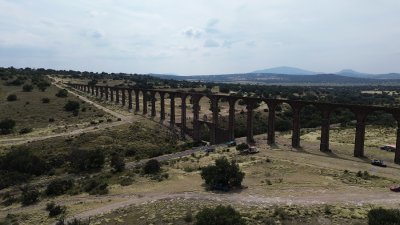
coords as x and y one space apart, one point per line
30 112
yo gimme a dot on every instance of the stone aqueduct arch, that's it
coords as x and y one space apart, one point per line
361 112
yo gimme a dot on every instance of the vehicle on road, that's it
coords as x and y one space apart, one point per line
395 188
377 162
231 143
389 148
250 150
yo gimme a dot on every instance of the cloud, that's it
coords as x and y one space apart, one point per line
191 32
210 43
210 27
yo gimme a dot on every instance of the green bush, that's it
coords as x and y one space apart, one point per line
73 222
382 216
29 195
12 97
45 100
25 130
224 175
72 106
152 167
62 93
59 187
117 163
83 160
55 210
95 187
42 85
6 126
27 88
23 161
220 215
242 146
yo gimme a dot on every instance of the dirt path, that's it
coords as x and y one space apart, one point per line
124 120
360 198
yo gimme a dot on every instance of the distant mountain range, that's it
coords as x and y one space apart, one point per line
292 75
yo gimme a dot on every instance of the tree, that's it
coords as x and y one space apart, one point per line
6 126
382 216
43 85
55 210
29 195
45 100
224 175
23 161
27 88
220 215
59 187
62 93
117 163
152 167
12 97
72 106
83 160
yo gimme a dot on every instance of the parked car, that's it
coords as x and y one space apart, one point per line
377 162
395 188
250 150
210 149
231 143
389 148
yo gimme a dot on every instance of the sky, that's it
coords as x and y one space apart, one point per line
190 37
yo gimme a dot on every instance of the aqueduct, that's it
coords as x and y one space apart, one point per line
122 94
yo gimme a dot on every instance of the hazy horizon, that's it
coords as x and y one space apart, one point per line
207 37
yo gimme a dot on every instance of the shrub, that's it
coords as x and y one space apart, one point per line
220 215
382 216
224 175
12 97
23 161
95 187
152 167
73 222
25 130
51 120
71 106
83 160
6 126
242 146
55 210
29 195
117 163
27 88
62 93
43 85
59 187
45 100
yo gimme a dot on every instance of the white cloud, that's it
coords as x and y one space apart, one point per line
126 36
210 43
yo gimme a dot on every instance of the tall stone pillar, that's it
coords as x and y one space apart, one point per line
324 145
88 89
144 93
137 103
106 90
111 94
153 104
101 92
231 126
172 114
92 90
397 152
123 96
360 134
117 95
214 130
129 98
183 115
250 115
162 106
296 127
196 125
271 123
97 91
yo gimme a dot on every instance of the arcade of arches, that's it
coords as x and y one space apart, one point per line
124 96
